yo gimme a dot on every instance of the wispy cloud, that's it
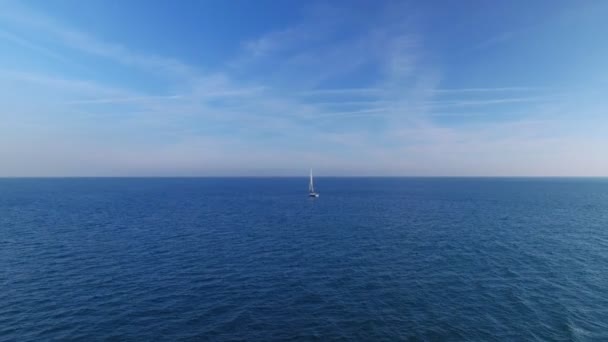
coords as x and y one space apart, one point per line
63 84
21 41
345 91
126 99
485 102
361 112
487 90
87 43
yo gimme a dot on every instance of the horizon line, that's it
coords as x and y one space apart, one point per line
303 176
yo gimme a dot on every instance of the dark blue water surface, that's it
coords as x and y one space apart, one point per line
256 259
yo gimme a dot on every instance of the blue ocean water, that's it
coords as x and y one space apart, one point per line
256 259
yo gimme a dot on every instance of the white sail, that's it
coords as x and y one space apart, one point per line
311 187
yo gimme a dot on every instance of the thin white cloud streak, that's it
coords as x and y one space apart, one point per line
345 91
235 92
443 103
58 83
58 94
126 99
343 103
485 102
21 41
230 93
27 18
362 112
399 111
488 90
380 91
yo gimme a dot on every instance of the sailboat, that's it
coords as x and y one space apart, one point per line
311 187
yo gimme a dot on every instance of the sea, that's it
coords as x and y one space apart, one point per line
256 259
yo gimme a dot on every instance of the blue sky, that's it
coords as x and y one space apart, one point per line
197 88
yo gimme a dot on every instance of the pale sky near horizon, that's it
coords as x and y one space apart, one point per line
198 88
